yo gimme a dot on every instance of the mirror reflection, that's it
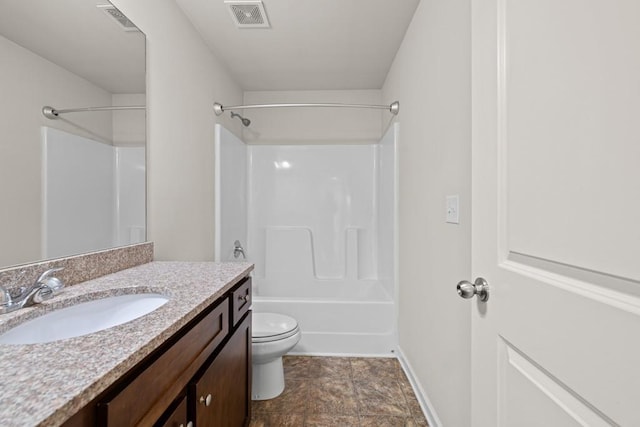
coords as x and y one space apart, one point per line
75 183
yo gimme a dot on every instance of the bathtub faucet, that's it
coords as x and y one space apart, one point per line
238 249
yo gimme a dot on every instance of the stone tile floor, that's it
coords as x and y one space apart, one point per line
340 391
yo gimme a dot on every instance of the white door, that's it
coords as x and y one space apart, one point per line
556 212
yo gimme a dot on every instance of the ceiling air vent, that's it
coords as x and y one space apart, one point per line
119 17
248 14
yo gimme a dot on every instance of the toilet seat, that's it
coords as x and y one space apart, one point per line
269 327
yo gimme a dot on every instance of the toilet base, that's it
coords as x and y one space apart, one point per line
268 380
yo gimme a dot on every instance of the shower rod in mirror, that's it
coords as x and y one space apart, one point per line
52 113
393 108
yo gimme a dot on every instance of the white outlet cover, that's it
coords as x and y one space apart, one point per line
453 209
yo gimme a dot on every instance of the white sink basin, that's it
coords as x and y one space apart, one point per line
84 318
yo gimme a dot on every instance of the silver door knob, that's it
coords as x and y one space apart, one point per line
480 288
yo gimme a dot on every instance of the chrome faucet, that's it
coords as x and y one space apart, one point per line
41 290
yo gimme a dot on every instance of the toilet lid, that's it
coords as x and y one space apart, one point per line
265 325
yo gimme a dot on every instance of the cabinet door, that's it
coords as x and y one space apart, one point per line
221 396
177 417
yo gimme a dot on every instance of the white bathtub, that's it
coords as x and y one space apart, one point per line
358 323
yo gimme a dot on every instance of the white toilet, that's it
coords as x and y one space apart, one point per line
273 335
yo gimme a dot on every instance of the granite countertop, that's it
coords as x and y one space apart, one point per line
45 384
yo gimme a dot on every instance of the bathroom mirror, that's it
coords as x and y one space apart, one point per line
75 184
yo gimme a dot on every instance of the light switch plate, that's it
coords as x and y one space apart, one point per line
453 210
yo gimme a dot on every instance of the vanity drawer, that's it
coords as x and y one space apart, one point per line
241 300
145 397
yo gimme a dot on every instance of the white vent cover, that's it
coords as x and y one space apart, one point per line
248 13
119 17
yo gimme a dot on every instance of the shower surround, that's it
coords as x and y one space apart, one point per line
93 194
318 222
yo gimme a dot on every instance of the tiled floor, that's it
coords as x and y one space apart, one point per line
339 391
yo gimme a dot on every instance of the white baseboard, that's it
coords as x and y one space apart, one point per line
341 354
423 399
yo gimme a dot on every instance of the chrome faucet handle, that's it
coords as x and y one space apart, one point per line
45 276
46 286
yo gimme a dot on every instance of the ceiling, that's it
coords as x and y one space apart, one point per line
79 37
311 45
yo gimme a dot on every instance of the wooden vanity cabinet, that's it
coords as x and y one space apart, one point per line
209 356
221 394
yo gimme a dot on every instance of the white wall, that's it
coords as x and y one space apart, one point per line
183 81
313 125
27 83
431 78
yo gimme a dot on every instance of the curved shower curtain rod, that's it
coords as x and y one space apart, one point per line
52 113
393 108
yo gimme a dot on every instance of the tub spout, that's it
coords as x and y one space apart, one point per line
238 250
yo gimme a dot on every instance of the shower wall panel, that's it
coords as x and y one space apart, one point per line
130 195
78 194
386 187
93 194
313 213
230 194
